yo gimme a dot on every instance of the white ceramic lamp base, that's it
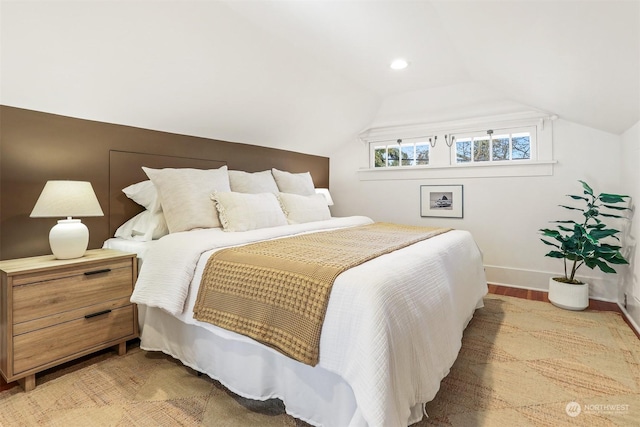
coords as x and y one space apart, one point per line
69 239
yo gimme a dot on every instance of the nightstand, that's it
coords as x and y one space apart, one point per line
53 311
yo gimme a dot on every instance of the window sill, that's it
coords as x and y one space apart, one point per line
479 170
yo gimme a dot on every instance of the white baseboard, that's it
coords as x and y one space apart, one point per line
599 289
630 318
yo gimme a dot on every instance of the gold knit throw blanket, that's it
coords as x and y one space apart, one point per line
277 291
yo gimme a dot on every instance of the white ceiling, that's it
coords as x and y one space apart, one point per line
310 75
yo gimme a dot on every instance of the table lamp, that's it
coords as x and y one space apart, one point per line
69 238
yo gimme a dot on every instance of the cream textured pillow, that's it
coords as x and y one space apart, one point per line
296 183
256 182
245 211
145 194
299 209
185 195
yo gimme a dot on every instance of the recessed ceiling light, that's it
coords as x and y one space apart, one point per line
399 64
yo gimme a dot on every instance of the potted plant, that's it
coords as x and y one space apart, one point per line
584 243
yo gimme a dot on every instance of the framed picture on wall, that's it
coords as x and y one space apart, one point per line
445 201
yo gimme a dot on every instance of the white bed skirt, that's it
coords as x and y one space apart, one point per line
312 394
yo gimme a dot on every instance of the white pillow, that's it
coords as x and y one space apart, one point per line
245 211
144 227
185 195
256 182
299 209
296 183
145 194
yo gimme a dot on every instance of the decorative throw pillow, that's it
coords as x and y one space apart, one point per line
185 195
256 182
145 194
299 209
296 183
245 211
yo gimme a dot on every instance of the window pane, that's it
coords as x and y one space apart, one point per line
463 150
481 149
393 158
500 147
521 146
422 154
380 157
407 155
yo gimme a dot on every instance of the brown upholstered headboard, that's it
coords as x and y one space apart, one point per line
125 168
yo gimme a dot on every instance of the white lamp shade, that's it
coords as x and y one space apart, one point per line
326 194
70 237
67 199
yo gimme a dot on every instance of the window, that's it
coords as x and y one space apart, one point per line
508 145
495 146
401 153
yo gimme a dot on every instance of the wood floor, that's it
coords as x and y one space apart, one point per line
544 296
493 289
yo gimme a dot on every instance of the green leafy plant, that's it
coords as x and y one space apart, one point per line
581 243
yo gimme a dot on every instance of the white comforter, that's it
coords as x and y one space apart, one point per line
393 326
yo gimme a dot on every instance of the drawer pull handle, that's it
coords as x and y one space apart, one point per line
89 273
89 316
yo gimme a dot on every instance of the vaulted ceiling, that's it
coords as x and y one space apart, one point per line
310 75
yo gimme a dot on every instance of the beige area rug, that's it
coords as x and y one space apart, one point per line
522 363
529 363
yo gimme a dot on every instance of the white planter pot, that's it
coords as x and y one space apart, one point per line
569 296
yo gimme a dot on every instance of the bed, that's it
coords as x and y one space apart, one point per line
392 330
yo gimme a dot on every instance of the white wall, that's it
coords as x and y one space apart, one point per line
504 214
193 68
631 185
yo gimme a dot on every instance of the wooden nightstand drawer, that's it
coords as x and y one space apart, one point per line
56 310
43 346
75 289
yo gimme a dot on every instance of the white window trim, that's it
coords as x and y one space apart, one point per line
442 158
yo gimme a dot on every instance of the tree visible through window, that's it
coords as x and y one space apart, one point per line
481 149
393 156
500 148
463 150
521 146
402 153
490 147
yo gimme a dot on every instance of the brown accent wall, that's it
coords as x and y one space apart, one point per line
36 147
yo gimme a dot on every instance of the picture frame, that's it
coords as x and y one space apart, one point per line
442 201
